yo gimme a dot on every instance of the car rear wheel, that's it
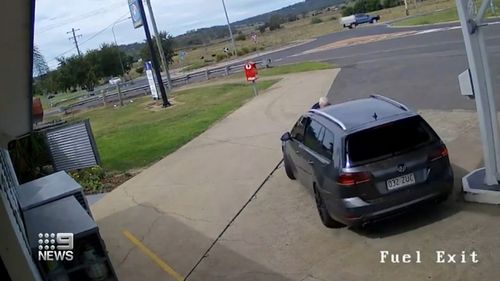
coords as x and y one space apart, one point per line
288 169
325 217
442 198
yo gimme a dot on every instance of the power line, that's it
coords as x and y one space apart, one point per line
104 29
74 39
90 38
79 17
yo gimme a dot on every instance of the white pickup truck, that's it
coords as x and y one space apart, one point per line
357 19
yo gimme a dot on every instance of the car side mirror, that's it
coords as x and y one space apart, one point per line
286 137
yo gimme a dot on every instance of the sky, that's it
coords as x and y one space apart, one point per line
96 19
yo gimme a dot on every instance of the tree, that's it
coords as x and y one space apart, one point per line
373 5
108 60
167 43
291 17
275 22
390 3
347 11
40 66
262 28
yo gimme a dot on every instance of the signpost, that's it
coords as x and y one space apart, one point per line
151 80
138 16
251 75
135 13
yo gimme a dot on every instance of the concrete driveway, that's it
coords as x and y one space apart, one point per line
281 236
221 208
161 223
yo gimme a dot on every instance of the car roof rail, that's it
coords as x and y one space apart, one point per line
329 117
391 101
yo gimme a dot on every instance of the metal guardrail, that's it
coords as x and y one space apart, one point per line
183 80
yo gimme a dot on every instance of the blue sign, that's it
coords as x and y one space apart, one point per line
135 13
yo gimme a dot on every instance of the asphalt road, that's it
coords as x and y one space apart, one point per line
419 70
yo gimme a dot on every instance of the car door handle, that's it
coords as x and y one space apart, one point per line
310 162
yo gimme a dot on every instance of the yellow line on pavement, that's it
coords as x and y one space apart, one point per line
163 265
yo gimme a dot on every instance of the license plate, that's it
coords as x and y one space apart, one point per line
401 181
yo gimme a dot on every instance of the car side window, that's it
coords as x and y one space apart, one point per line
314 136
327 144
299 129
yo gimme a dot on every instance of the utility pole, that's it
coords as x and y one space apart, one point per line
158 44
119 52
75 41
154 59
229 26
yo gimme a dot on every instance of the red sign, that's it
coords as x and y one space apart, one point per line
251 71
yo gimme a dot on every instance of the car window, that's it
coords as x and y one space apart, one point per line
327 144
299 128
313 137
387 140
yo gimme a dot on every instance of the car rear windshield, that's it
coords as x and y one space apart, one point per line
387 140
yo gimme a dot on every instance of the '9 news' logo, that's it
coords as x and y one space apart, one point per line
55 246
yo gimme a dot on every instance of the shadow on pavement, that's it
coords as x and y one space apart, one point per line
174 242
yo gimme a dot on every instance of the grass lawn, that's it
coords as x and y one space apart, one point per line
441 16
446 15
141 132
296 67
135 136
61 97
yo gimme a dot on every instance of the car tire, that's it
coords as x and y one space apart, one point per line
442 198
288 169
325 217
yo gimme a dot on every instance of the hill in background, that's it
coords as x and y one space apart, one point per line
295 10
206 35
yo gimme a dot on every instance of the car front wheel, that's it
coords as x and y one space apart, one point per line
288 168
325 217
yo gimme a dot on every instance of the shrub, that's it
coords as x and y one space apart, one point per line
245 50
347 11
90 179
262 48
220 57
291 18
333 18
253 49
241 37
275 22
316 20
262 28
140 69
390 3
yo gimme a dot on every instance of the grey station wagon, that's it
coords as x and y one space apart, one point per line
366 160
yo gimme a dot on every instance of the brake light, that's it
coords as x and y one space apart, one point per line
438 154
350 179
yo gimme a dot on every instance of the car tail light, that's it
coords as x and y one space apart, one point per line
350 179
438 154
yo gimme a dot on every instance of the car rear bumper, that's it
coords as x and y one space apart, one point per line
356 211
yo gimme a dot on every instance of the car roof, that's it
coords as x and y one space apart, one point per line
360 114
